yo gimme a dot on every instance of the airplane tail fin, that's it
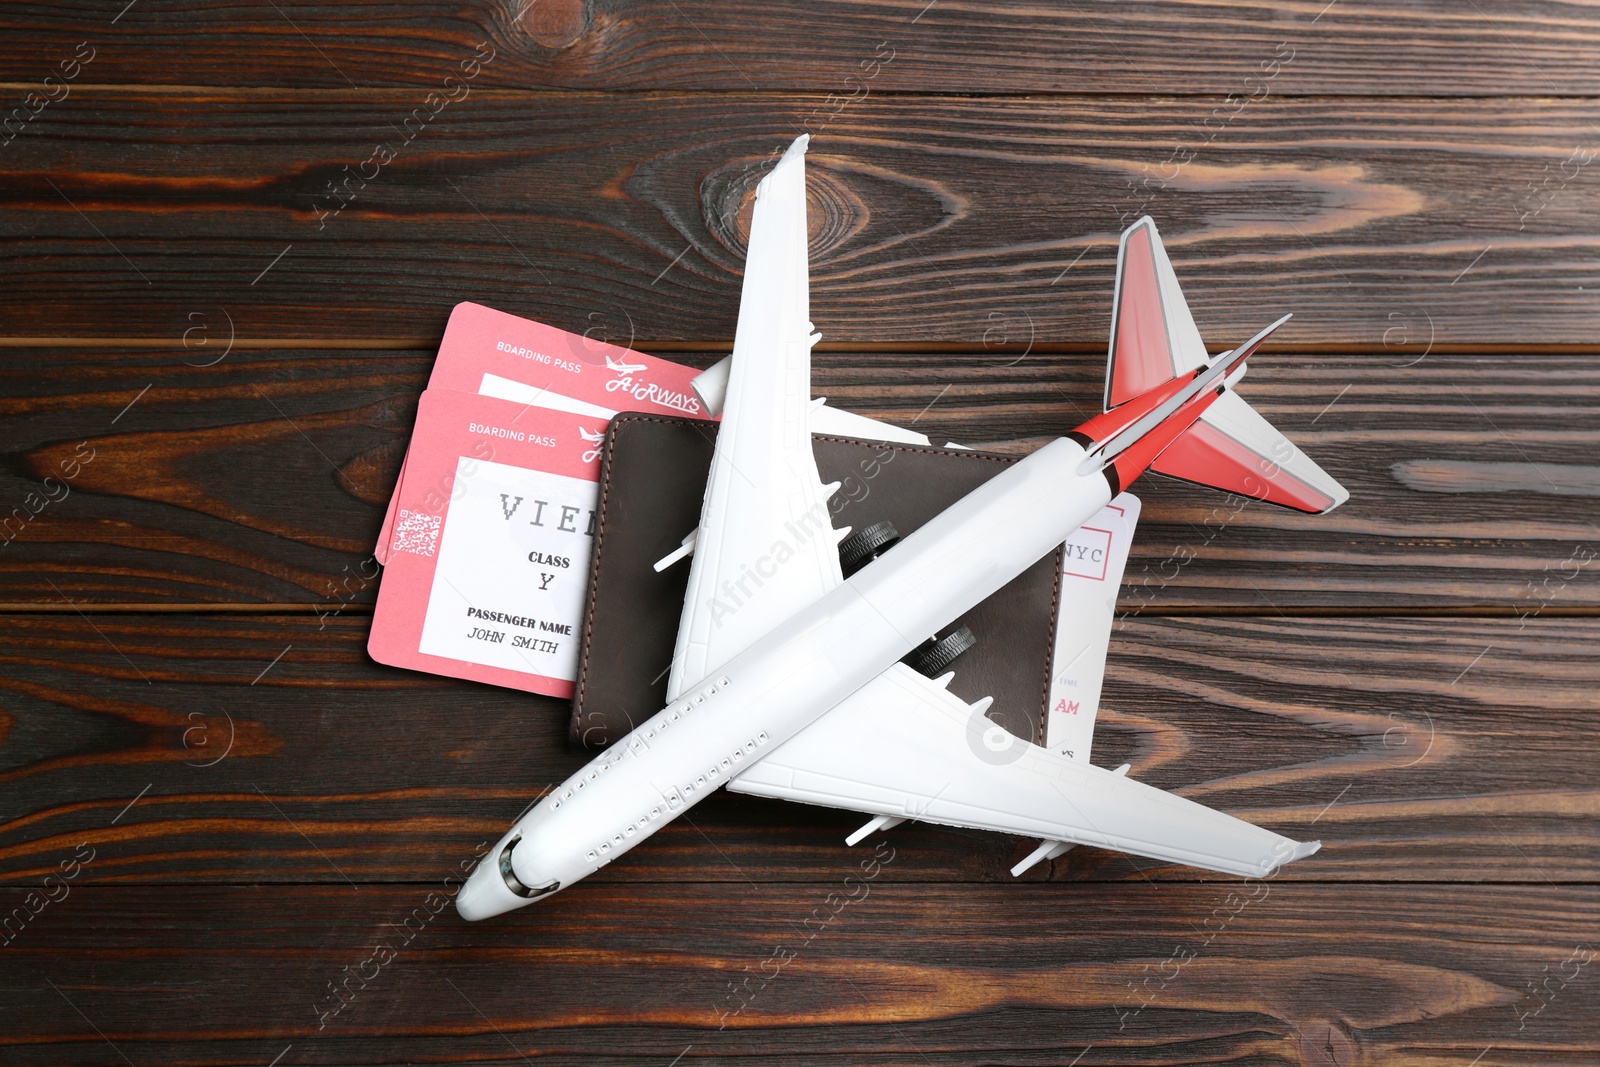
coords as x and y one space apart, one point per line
1153 336
1231 446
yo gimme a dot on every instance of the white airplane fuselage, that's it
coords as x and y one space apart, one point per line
790 677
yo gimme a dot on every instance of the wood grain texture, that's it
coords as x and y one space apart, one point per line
224 291
941 220
1270 973
262 479
259 477
1427 48
248 750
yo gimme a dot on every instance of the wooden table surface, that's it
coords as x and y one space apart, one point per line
232 234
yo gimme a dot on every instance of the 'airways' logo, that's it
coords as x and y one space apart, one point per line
626 383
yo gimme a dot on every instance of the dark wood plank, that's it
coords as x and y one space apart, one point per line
1415 749
1431 47
259 477
1278 973
262 479
943 220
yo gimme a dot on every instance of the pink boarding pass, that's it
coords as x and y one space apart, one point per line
484 349
492 353
489 555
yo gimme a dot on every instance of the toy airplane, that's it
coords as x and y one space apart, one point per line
799 691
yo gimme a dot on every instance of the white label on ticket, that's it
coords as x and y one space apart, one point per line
513 570
1091 576
506 389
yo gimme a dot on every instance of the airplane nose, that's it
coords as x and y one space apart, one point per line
494 888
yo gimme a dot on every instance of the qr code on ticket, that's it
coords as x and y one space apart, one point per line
416 532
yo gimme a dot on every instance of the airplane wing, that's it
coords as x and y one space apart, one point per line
904 747
765 546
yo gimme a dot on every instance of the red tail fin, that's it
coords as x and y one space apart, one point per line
1153 336
1230 447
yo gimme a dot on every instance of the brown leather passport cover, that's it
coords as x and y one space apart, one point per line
652 482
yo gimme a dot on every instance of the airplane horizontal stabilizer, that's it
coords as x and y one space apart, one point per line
1233 448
